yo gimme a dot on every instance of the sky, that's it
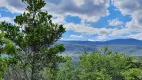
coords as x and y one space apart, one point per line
87 20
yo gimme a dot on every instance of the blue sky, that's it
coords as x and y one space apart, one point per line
87 20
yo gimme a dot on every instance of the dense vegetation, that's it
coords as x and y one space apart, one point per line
101 66
27 52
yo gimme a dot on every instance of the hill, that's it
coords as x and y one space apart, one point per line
127 46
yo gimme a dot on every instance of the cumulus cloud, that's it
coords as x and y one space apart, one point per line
87 10
14 6
115 22
76 36
132 8
87 29
102 33
128 7
119 32
102 38
136 36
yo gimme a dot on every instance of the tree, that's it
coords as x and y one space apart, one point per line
32 38
101 66
2 67
5 45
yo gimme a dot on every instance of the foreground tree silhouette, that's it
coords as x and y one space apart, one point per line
32 39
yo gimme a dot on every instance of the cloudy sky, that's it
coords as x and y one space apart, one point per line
92 20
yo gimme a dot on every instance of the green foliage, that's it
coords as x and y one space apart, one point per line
101 66
29 42
132 74
2 67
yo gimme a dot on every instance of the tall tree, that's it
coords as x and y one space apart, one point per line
32 39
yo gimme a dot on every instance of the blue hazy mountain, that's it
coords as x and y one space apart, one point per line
127 46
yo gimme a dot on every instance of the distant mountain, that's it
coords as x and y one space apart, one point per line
110 42
127 46
124 42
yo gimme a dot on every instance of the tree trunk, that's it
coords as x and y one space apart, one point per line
33 68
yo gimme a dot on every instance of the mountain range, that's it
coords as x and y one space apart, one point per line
126 46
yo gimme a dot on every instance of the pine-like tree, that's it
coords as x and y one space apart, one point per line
31 40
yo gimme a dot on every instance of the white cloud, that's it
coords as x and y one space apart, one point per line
69 39
90 11
102 37
6 19
14 6
59 19
87 10
87 29
76 36
128 7
136 36
102 33
132 8
79 2
115 22
91 40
